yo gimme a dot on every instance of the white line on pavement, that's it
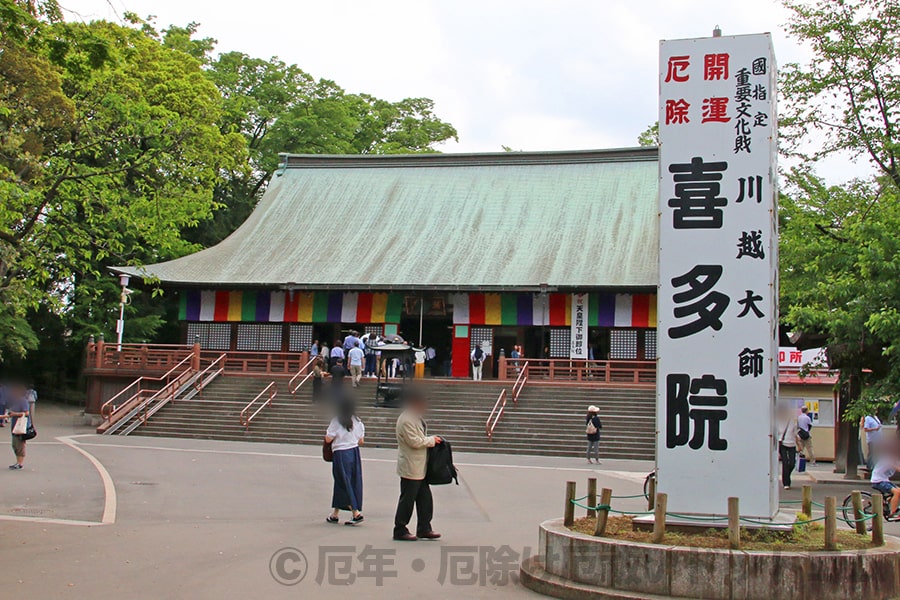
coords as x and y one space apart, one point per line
109 488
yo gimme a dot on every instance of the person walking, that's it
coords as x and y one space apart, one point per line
317 380
786 429
4 393
804 436
592 430
17 408
325 355
356 357
31 395
337 352
872 427
314 349
413 442
477 358
338 372
346 433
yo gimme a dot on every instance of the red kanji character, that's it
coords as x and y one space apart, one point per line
677 67
677 112
715 110
715 66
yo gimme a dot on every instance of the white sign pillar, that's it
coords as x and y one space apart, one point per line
579 337
718 264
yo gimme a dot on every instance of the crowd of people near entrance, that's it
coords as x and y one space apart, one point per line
17 402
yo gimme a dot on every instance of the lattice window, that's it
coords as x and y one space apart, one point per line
560 342
376 329
623 344
301 338
264 337
650 344
483 336
212 336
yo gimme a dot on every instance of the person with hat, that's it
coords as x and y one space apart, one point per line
592 430
477 358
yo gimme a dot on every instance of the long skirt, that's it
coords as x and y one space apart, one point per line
346 468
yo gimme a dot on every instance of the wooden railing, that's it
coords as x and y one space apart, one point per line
278 364
136 357
269 392
496 413
210 372
141 386
306 372
583 371
521 380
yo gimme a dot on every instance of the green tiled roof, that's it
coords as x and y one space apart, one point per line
442 221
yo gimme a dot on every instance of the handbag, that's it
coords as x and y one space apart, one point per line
803 434
327 451
30 431
21 426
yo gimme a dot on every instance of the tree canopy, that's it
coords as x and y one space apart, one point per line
122 144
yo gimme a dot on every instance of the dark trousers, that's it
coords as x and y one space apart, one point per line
788 462
871 455
414 492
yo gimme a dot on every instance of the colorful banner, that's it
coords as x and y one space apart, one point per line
555 310
290 307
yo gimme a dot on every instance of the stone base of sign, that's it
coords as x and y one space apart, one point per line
782 522
575 566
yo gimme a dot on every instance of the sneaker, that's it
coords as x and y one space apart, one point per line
787 487
355 520
331 519
15 467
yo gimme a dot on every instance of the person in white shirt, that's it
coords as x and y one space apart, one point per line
346 433
872 427
786 430
804 440
881 481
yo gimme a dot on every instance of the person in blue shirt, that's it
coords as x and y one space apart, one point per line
872 427
17 408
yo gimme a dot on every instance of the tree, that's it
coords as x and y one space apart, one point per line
840 258
650 136
110 148
278 108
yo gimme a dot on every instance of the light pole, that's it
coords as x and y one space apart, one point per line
123 300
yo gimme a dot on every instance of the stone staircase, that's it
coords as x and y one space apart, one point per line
548 421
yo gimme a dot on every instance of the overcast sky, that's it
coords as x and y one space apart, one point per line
555 74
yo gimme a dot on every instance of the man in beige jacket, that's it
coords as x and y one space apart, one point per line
412 460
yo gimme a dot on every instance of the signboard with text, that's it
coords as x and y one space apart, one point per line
717 311
579 337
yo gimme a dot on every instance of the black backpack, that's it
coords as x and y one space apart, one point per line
440 469
479 354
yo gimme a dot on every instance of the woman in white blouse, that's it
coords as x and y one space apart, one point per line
346 433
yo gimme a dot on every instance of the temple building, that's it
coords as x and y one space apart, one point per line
448 250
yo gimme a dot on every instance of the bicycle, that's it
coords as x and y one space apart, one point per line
849 516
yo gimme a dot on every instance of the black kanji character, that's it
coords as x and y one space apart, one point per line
750 187
750 362
750 244
709 306
697 202
759 66
687 409
749 304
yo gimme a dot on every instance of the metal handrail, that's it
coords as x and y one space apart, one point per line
521 380
495 415
200 383
165 394
107 412
272 390
302 371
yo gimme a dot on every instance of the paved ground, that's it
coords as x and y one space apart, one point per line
101 517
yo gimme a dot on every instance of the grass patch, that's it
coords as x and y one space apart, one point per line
801 538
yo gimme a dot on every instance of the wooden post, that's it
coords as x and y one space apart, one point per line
659 518
592 496
195 356
830 523
856 498
806 506
878 521
603 513
570 507
651 493
98 357
734 523
501 368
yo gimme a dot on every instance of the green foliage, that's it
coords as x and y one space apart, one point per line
840 256
650 136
